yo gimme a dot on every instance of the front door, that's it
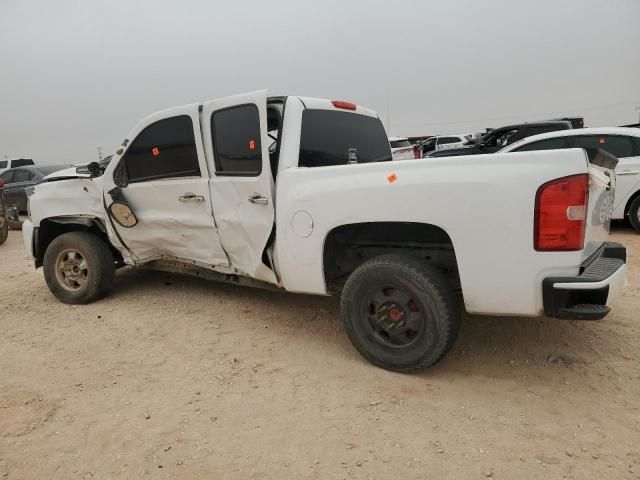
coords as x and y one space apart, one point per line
236 143
164 178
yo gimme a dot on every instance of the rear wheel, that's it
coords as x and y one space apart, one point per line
400 312
4 229
634 214
78 267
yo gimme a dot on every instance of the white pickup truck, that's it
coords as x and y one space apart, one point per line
300 194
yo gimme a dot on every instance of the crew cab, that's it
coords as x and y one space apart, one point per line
300 194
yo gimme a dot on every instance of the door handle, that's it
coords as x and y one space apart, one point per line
258 199
190 197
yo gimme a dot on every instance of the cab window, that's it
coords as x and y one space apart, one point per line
164 149
236 141
331 137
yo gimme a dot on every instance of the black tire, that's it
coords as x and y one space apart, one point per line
634 211
4 229
429 319
79 282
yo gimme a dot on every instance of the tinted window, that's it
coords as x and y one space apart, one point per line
329 137
531 131
448 140
164 149
22 176
548 144
236 141
400 143
616 145
7 176
21 162
3 163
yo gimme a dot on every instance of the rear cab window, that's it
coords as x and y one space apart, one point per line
332 137
4 163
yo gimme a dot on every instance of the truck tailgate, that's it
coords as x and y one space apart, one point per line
602 185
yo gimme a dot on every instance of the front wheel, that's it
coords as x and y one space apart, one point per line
4 229
400 312
78 267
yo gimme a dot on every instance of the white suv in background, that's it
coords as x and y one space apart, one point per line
444 142
16 162
623 143
401 148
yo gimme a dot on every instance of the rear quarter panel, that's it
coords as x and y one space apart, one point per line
485 203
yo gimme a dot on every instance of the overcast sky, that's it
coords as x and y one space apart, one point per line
75 75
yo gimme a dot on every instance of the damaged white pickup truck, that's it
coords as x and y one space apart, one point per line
301 194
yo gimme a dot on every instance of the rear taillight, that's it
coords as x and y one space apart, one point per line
344 105
560 214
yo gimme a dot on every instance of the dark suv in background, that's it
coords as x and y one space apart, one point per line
501 137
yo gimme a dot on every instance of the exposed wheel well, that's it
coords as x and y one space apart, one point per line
53 227
348 246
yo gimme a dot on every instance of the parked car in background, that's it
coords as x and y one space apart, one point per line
443 142
4 223
623 143
16 180
402 148
501 137
15 162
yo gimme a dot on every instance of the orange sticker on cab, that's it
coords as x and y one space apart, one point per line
155 151
392 177
252 144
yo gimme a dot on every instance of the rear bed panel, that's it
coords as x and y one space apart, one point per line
485 204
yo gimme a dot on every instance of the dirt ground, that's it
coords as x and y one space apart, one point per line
173 377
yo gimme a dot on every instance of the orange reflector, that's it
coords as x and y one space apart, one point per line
155 151
392 177
252 144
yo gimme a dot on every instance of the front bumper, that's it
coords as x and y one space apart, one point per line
588 296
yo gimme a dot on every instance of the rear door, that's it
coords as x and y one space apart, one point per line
236 143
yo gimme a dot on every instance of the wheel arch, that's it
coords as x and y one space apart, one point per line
348 246
52 227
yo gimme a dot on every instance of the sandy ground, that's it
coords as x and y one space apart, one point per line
172 377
